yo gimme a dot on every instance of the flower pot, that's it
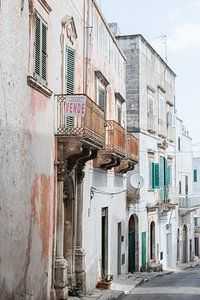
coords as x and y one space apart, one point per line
104 284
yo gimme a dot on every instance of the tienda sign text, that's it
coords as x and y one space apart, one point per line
75 106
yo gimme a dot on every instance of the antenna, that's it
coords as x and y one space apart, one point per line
163 38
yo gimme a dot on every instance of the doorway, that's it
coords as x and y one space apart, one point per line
152 241
104 242
119 250
178 245
133 244
185 244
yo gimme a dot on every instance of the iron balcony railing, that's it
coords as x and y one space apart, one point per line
132 147
115 138
90 127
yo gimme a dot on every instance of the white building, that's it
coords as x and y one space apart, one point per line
185 230
151 118
196 202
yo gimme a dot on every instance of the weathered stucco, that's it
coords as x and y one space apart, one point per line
27 155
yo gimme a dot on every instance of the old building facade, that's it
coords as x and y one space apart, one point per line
151 118
64 212
185 230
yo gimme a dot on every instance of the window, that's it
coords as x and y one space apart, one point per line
161 107
101 98
169 119
195 175
179 144
119 115
180 188
150 108
186 185
154 178
101 95
69 78
40 50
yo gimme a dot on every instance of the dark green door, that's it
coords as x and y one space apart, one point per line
131 245
143 251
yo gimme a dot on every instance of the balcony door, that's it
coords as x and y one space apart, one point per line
69 80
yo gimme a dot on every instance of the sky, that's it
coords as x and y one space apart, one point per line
179 21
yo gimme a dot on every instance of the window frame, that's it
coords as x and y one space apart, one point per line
39 77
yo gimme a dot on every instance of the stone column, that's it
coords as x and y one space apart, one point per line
60 279
80 252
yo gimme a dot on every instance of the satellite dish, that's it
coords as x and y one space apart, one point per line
136 181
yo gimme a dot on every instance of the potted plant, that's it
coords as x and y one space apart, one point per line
105 282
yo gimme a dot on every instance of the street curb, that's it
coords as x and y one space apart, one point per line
143 280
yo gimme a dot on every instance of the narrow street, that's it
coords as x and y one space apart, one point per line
184 285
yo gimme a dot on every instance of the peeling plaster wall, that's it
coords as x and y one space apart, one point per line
26 164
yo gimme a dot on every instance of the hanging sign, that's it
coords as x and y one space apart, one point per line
75 106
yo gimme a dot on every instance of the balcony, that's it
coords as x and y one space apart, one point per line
151 123
115 146
79 137
188 203
89 129
171 134
128 163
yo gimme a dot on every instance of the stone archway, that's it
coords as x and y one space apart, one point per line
133 255
152 241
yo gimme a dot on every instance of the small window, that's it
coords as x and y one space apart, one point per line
150 108
169 119
40 50
119 115
180 188
161 108
179 144
101 98
195 175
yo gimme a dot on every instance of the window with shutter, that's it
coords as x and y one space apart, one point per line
156 176
150 175
101 96
195 175
40 50
119 115
70 79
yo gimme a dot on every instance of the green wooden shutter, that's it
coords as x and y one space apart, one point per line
195 175
70 70
37 56
156 176
44 52
40 52
70 79
169 175
162 179
101 98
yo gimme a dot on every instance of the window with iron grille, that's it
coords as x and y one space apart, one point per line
69 78
40 50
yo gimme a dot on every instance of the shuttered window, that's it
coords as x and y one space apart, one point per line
169 175
195 175
102 96
40 50
154 177
70 78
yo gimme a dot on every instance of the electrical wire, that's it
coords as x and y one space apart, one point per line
97 191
